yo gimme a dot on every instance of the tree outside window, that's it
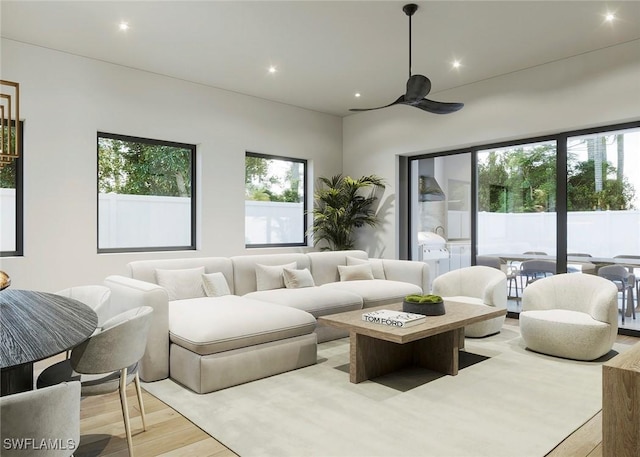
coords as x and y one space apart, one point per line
145 194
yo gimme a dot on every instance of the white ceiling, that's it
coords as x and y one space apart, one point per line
324 51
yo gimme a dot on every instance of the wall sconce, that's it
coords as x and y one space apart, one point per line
10 122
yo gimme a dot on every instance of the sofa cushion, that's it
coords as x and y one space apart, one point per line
375 292
181 284
215 285
271 276
315 300
211 325
377 267
244 268
355 272
297 279
324 265
145 270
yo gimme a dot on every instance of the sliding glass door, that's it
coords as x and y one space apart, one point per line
603 211
564 203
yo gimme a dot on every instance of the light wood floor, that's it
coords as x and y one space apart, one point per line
170 434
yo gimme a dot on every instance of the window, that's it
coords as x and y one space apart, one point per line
275 202
146 194
11 204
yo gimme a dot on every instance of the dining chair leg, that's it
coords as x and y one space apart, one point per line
139 393
125 409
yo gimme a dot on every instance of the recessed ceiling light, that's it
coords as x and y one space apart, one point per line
609 17
456 64
357 94
123 26
272 69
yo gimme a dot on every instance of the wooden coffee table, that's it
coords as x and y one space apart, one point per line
378 349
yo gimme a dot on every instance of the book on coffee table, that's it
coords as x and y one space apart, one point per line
393 318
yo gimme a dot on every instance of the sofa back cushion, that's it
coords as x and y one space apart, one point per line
244 268
145 270
182 283
324 265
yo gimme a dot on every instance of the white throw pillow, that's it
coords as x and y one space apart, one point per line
270 276
355 272
376 266
215 285
181 284
297 279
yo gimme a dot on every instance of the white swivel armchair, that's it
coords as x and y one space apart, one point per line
478 285
570 315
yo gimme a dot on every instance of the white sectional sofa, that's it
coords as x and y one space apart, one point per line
255 324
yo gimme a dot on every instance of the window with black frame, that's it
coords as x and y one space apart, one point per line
146 194
11 200
275 201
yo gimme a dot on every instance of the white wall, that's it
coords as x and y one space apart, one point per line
66 99
594 89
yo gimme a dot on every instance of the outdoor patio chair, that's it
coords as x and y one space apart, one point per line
624 281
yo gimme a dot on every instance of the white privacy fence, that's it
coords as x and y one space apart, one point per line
143 221
7 220
140 221
599 233
273 222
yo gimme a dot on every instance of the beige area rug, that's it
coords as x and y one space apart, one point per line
515 403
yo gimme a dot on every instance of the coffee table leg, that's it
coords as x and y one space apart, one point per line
370 357
439 352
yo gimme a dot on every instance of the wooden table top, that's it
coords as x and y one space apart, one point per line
36 325
457 315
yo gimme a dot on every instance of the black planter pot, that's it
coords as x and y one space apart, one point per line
426 309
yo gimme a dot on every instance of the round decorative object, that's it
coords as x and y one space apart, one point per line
5 280
426 309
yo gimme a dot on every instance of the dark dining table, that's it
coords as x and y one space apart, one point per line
34 326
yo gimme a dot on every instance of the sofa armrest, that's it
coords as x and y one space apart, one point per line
410 271
128 293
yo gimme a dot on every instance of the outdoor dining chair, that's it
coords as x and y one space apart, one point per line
624 281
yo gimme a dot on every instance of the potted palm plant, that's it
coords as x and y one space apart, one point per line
343 204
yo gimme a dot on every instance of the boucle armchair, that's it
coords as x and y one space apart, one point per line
570 315
477 285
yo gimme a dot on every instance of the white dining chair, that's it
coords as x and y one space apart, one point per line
108 361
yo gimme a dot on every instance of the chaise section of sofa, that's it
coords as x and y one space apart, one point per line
210 343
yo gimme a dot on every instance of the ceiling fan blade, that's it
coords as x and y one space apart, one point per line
399 100
438 107
418 86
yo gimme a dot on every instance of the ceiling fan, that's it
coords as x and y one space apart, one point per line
418 86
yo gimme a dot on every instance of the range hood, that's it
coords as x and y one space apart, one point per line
429 190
